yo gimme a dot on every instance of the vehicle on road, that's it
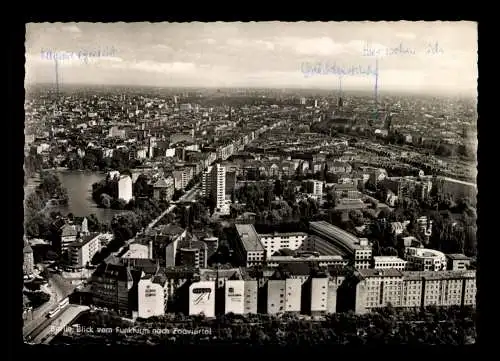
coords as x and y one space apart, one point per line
54 312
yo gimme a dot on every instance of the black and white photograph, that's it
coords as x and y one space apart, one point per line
255 183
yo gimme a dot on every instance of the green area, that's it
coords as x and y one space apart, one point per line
37 222
434 326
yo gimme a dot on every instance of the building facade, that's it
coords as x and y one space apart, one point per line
274 242
386 262
81 252
284 295
424 259
234 292
125 188
202 298
248 247
28 262
151 298
379 288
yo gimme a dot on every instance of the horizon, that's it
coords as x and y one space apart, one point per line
334 92
413 57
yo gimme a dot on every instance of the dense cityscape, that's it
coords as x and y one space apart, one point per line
248 216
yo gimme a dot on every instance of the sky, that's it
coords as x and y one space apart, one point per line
437 56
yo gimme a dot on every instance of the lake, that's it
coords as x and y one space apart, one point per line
79 187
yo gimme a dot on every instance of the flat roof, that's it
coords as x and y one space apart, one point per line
387 259
438 275
458 256
305 258
370 272
284 234
249 237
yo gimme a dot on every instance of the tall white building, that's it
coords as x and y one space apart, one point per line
151 298
206 182
125 188
214 184
219 185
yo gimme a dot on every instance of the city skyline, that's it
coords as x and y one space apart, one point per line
412 56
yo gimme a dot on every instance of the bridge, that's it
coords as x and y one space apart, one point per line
51 327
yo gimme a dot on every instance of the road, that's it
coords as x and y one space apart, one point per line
58 289
51 327
189 196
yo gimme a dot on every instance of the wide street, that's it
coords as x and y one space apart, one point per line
58 288
51 327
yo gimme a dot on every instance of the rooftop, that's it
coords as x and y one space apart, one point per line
370 272
161 183
335 233
432 275
304 258
84 240
458 256
113 271
233 273
387 259
425 252
249 237
286 234
69 230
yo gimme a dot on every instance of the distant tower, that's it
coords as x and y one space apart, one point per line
340 102
376 83
388 121
57 75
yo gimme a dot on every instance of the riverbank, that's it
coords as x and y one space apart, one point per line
78 184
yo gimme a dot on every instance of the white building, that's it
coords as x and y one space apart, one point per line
206 182
213 184
116 132
274 242
69 233
284 295
424 259
315 187
385 262
151 298
202 298
81 252
234 296
125 188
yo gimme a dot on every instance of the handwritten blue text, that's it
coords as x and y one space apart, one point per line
321 68
401 50
82 55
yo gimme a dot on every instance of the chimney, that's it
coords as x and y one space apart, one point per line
150 249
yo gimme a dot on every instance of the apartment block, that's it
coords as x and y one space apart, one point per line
284 295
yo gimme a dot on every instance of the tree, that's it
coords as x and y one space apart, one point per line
141 186
125 226
331 198
361 186
278 188
384 213
356 217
